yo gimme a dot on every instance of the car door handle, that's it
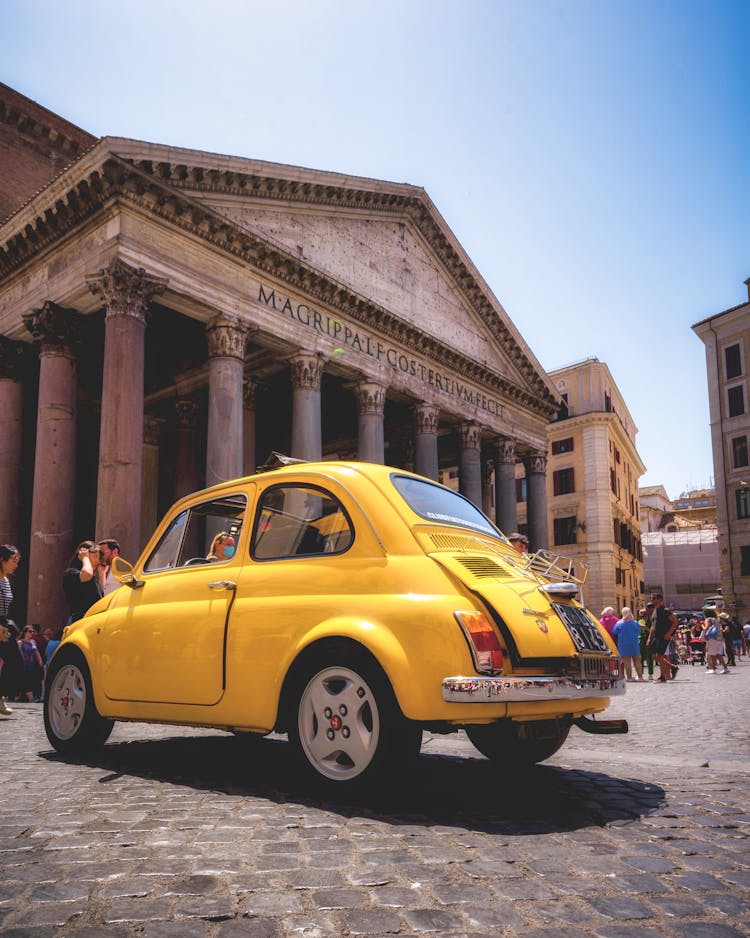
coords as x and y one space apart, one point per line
222 585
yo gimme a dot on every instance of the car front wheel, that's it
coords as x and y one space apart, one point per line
347 728
71 720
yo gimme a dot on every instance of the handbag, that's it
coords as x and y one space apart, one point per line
10 626
713 632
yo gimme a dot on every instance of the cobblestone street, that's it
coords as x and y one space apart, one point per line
181 832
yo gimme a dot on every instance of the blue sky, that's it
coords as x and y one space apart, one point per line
591 157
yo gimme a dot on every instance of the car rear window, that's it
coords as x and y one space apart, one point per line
440 505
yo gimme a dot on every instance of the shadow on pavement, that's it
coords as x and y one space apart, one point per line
465 793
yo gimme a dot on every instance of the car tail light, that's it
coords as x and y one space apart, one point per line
483 641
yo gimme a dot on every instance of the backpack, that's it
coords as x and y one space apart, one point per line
713 632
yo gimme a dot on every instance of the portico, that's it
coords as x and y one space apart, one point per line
190 312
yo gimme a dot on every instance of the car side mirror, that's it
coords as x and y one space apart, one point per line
123 572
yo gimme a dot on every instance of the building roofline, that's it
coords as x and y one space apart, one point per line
709 319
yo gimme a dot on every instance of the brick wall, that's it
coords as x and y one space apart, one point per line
35 145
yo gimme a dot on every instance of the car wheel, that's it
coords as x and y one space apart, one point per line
71 720
347 728
528 743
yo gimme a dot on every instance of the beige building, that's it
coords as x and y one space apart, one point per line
726 337
168 317
654 506
592 485
690 510
680 546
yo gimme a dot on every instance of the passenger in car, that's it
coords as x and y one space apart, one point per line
222 547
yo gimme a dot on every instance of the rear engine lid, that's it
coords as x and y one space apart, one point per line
539 627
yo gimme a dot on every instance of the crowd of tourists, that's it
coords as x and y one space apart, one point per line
26 652
657 639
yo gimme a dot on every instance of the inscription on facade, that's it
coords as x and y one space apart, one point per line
350 337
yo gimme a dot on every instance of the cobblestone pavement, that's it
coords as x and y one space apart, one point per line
181 832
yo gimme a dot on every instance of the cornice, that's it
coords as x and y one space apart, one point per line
153 189
609 420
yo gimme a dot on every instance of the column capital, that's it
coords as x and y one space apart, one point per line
226 337
471 435
249 393
371 397
506 451
126 290
307 371
12 355
426 417
152 430
187 414
55 328
535 462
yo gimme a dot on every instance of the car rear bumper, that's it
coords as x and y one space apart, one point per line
508 689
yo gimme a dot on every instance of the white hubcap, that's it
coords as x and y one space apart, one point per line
66 702
339 725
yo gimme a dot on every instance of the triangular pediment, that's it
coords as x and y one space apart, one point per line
386 241
377 249
384 259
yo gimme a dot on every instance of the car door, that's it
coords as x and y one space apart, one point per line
165 641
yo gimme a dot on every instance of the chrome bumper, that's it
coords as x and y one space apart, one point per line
518 689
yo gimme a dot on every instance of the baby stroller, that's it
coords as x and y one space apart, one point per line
697 651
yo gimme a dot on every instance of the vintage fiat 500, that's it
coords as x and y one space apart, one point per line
361 605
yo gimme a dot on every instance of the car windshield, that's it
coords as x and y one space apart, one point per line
441 505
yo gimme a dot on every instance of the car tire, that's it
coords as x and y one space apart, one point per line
505 741
346 728
71 720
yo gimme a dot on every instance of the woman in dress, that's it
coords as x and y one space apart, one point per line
714 647
11 665
33 666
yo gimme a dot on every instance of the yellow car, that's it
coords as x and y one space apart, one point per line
360 605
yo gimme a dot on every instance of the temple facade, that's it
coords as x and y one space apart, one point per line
168 317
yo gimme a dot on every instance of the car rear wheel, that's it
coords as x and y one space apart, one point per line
347 728
527 743
71 720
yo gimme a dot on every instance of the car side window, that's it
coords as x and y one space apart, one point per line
299 520
191 535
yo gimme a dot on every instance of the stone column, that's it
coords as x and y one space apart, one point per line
126 292
307 439
488 467
150 477
11 437
371 407
536 491
186 478
51 544
425 440
226 350
249 459
470 462
506 510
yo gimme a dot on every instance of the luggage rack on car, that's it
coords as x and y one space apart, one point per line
546 566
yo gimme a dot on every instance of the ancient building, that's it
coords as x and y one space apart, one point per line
168 317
